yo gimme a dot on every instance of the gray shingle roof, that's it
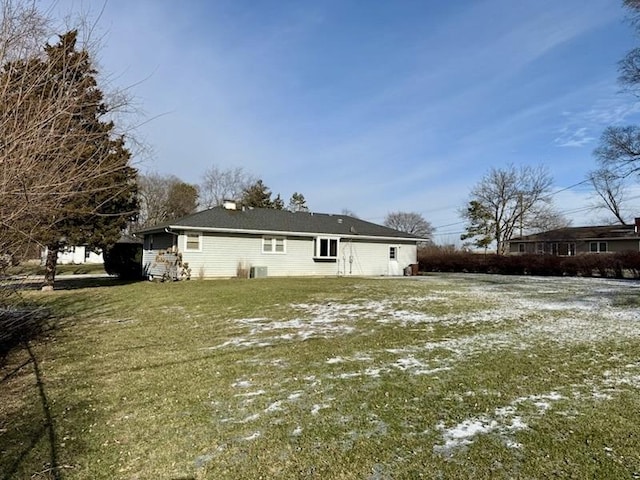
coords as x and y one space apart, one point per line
581 233
271 220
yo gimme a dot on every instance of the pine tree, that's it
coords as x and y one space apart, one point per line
297 203
257 195
480 227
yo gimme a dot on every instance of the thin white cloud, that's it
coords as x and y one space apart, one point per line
574 138
582 127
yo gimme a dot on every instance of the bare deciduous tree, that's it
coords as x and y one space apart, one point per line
619 150
609 192
514 197
24 29
409 222
220 184
164 197
544 217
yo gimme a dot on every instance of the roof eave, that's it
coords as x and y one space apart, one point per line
289 233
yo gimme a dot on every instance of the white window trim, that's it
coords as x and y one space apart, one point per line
395 253
272 241
316 253
186 242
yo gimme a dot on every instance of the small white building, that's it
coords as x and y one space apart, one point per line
227 241
75 255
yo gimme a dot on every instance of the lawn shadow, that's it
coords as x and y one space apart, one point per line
36 430
67 282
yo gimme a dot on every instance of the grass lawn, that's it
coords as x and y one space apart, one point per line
445 376
67 269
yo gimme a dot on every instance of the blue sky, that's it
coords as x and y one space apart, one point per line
374 106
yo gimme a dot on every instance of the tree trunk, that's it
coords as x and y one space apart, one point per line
50 267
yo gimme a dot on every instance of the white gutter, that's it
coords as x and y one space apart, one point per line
296 234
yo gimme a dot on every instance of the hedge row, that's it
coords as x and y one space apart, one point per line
611 265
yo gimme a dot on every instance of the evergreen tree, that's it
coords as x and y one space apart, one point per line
278 203
100 176
480 225
257 195
297 203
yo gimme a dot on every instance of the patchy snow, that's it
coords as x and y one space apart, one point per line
242 384
515 314
251 437
251 418
505 421
316 408
274 407
294 396
250 394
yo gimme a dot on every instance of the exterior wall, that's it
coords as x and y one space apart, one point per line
623 245
222 256
581 246
75 255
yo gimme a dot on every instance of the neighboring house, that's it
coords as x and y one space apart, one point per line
74 255
576 240
228 241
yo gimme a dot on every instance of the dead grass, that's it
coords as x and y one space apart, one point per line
449 376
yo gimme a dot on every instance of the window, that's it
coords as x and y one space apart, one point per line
563 249
598 247
326 247
192 242
521 248
87 253
273 245
393 253
540 247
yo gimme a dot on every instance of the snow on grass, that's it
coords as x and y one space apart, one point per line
242 384
250 394
274 407
517 314
504 422
579 310
251 437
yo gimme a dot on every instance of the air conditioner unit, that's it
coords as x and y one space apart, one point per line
258 272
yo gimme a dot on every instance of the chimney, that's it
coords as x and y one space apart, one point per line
229 204
637 229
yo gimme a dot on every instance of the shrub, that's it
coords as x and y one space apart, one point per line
618 265
124 260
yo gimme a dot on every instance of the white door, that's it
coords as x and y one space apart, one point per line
394 267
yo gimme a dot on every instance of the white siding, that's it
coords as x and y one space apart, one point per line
221 255
75 255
